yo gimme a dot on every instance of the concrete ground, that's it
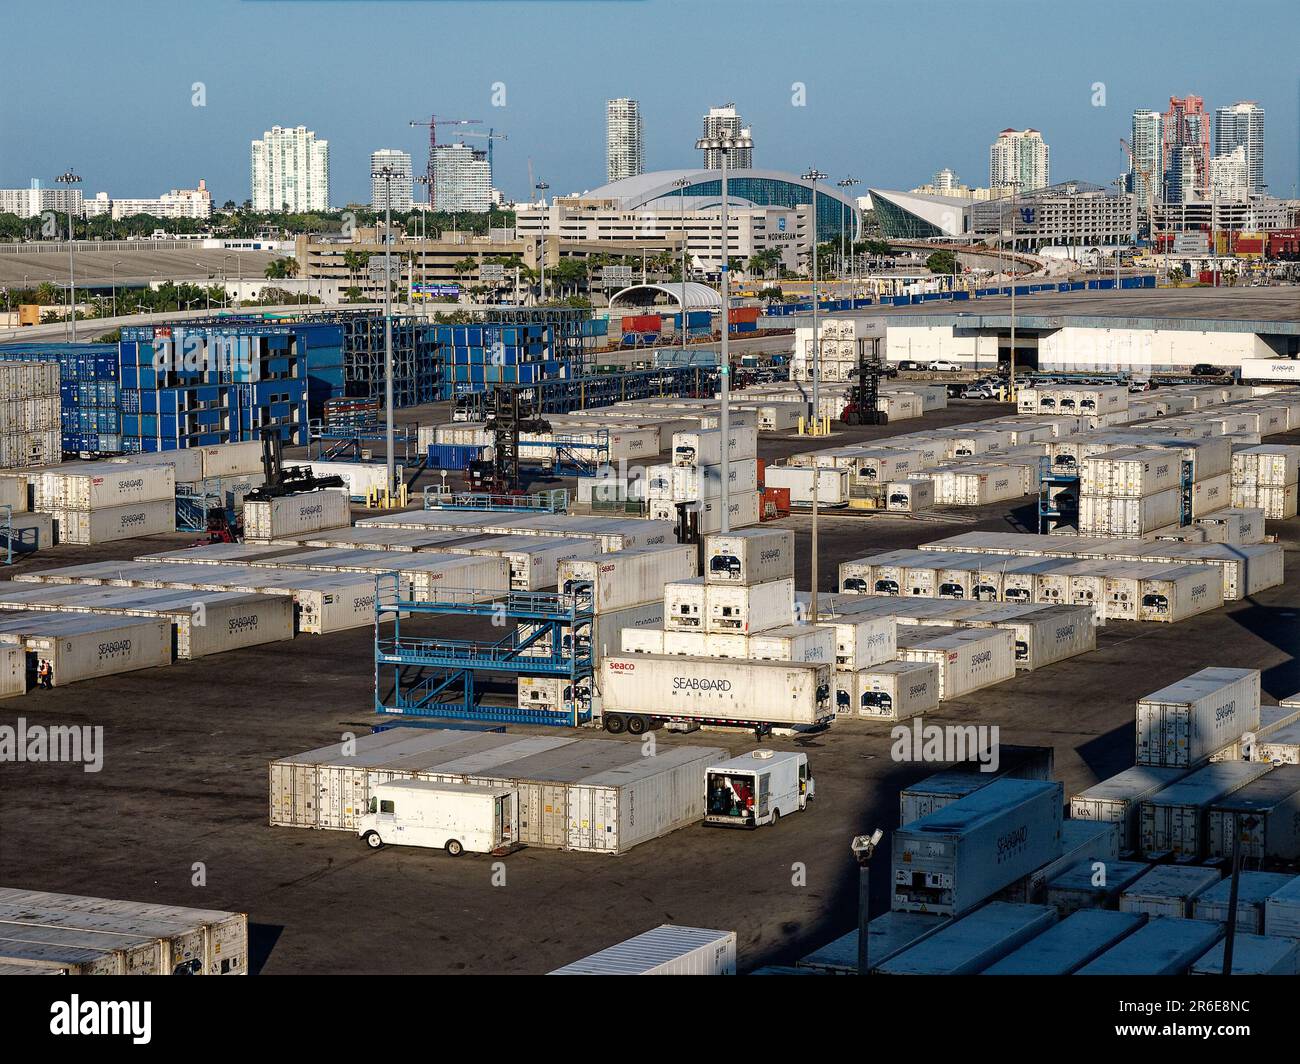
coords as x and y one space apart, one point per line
182 797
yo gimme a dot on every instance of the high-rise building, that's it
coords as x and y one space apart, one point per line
399 185
725 122
1146 176
1185 134
1230 175
1242 126
624 154
35 200
1020 158
290 171
462 179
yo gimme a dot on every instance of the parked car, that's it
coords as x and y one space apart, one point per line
978 391
908 366
1204 369
1139 384
942 365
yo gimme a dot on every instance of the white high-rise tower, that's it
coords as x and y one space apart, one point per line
624 153
290 169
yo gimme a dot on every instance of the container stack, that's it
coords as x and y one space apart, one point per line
478 356
90 400
97 502
1129 493
291 515
837 338
1265 477
30 433
695 476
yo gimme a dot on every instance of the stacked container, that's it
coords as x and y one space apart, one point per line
1129 493
30 414
96 502
1185 724
1265 477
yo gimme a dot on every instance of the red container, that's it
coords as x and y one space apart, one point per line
774 503
743 314
642 323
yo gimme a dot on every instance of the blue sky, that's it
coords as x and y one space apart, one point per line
894 90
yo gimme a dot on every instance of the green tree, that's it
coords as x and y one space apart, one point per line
942 261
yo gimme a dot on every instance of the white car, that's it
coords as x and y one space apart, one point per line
943 366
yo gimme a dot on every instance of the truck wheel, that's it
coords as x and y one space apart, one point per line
776 817
454 848
373 840
614 724
635 725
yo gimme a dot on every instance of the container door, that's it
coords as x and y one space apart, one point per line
555 815
762 794
581 817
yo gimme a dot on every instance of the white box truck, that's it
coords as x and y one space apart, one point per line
757 788
443 816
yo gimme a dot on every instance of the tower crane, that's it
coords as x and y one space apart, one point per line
433 122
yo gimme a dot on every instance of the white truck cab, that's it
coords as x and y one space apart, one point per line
448 816
757 788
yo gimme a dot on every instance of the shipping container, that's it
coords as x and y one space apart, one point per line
185 941
108 524
941 863
643 640
1268 465
794 642
888 935
1252 955
1118 800
1282 911
910 496
749 556
1174 819
832 484
82 647
1253 888
360 479
1178 593
1168 890
617 808
968 658
285 515
1043 634
666 950
748 609
13 670
1162 946
232 459
704 645
684 605
1266 814
186 462
1211 495
891 690
943 788
629 578
969 945
865 641
640 688
534 564
1067 946
704 447
1181 725
100 485
1132 473
1107 515
1239 525
1092 885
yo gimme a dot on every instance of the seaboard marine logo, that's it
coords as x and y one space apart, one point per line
699 683
247 623
364 602
117 649
131 520
311 511
769 555
1225 712
1012 843
984 657
1200 591
1064 632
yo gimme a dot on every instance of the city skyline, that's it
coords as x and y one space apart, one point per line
802 105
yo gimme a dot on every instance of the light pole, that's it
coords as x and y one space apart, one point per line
541 187
70 179
113 284
386 173
724 146
863 846
680 184
813 176
427 182
846 183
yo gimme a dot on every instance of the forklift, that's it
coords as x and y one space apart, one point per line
510 412
284 480
866 392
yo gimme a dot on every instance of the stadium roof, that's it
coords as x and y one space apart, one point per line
745 185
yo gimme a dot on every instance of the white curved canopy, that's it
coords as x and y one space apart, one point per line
698 296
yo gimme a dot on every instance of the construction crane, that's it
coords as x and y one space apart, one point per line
489 136
1146 183
433 123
